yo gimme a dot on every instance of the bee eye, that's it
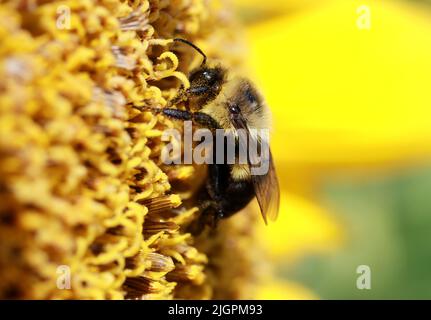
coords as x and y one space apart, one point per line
233 109
250 95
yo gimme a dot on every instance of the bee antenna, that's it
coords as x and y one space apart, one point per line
194 47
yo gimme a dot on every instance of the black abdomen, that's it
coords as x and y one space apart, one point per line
228 195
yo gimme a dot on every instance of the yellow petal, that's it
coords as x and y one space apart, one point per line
252 11
302 228
283 290
344 96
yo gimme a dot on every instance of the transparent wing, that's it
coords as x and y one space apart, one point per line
265 185
267 192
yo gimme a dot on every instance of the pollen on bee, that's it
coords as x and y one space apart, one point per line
81 181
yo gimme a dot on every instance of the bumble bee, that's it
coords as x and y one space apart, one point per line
218 101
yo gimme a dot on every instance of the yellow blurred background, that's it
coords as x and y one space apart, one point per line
349 86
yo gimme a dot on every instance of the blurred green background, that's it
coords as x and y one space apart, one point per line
389 229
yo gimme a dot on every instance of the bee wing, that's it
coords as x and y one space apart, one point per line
266 185
267 191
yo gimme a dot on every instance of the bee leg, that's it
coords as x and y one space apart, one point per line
199 117
177 114
204 92
210 216
180 97
205 120
214 221
197 226
213 190
219 214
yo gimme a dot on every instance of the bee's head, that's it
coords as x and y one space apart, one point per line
206 82
245 103
239 104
